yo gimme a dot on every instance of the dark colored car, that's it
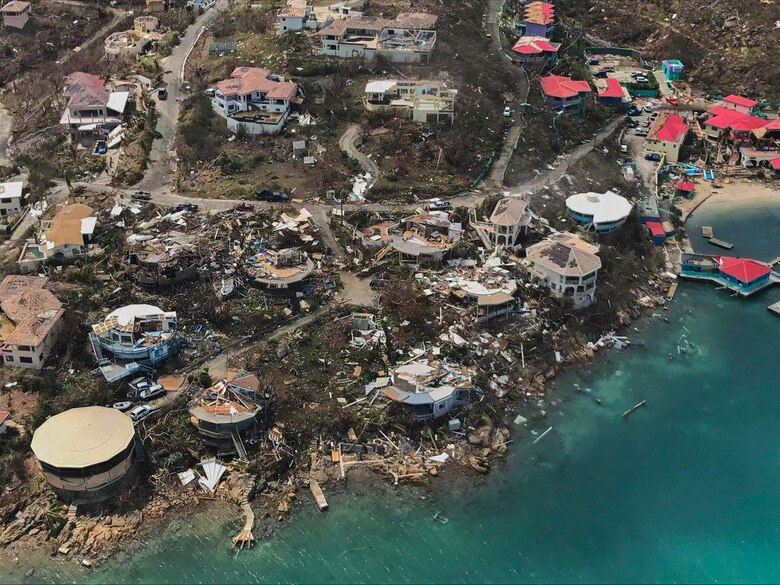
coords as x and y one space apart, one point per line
264 194
162 94
377 283
191 207
634 111
633 123
653 156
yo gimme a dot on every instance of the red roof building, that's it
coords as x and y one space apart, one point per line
744 270
614 91
656 228
564 93
667 135
738 101
535 46
775 164
559 86
725 119
671 129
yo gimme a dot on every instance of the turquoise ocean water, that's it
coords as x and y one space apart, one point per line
685 490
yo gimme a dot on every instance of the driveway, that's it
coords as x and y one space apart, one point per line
347 144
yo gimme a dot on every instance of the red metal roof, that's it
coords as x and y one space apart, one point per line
614 90
773 124
559 86
534 45
687 186
731 119
656 228
743 269
670 129
740 101
4 414
775 162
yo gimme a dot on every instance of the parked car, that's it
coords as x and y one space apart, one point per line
140 412
191 207
243 207
141 196
624 148
648 108
634 111
100 147
640 132
377 283
162 94
439 206
273 196
633 123
122 406
654 156
152 392
507 112
673 100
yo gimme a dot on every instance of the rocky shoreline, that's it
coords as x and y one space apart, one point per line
39 525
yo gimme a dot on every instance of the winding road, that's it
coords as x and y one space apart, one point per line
347 144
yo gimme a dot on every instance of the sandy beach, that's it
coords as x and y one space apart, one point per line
729 196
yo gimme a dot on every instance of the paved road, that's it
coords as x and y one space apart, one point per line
495 178
347 144
160 173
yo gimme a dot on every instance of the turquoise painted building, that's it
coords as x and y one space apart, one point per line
673 69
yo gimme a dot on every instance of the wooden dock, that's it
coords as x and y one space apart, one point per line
319 497
721 243
775 308
706 231
672 290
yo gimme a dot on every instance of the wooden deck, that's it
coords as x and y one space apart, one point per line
721 243
319 497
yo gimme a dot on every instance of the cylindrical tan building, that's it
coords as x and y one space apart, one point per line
87 454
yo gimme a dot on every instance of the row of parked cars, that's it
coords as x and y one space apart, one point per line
145 389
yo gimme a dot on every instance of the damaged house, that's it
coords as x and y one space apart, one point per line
427 390
422 101
279 269
62 239
255 101
226 412
507 225
166 262
409 38
134 337
426 238
31 320
568 266
92 110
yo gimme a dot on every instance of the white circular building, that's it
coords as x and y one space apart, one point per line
602 212
86 454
